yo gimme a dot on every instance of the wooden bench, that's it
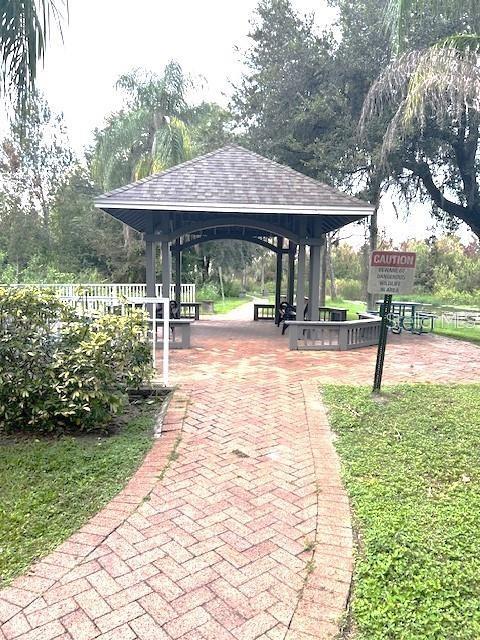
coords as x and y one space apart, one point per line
263 311
190 310
332 314
180 333
333 336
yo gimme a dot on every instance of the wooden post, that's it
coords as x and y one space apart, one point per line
150 268
178 274
166 269
291 271
310 282
323 269
301 274
278 277
314 296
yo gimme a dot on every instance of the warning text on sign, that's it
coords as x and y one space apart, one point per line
391 272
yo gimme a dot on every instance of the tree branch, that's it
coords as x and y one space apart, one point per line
470 216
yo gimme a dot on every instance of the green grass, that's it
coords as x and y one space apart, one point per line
470 334
352 306
50 487
412 468
229 304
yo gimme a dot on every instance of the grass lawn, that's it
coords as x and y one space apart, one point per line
352 306
411 465
470 334
229 304
50 486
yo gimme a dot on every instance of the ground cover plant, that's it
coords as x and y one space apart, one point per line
412 469
49 486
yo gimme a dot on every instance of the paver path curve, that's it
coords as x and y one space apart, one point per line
246 533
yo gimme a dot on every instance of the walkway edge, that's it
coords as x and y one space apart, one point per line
325 595
65 564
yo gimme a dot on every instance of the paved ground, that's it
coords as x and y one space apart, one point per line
247 533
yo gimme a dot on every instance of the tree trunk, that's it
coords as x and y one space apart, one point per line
372 245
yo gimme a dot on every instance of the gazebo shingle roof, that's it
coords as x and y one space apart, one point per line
233 179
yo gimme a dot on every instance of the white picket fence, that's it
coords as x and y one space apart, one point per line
111 291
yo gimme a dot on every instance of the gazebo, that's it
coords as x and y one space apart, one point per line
233 193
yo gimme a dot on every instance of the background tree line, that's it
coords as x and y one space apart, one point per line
386 101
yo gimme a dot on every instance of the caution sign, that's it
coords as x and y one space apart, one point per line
391 272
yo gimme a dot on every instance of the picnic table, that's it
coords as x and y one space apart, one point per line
409 315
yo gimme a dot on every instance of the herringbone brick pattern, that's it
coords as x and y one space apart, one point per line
247 533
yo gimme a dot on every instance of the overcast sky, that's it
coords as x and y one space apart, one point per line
105 38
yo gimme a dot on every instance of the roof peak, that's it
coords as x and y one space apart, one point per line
232 176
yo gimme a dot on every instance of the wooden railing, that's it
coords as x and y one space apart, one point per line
338 336
114 291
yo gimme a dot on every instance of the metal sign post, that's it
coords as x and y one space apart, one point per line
390 272
382 343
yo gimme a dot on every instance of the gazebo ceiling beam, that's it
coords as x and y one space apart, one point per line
229 221
227 236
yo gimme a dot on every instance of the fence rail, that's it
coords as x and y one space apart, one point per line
101 305
337 336
114 291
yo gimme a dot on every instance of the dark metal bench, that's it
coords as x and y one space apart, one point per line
190 310
263 311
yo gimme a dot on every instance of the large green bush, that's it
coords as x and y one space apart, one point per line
349 289
61 371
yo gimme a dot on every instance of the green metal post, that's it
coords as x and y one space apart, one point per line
382 343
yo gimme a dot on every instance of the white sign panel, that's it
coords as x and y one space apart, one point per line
391 272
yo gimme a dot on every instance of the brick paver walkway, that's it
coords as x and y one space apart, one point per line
247 533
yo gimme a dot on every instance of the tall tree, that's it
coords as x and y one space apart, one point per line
149 134
25 27
433 88
303 92
286 64
35 159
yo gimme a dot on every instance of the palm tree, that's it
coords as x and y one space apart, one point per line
401 15
25 27
149 134
433 96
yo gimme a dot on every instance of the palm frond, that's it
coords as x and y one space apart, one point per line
400 16
24 31
172 143
441 83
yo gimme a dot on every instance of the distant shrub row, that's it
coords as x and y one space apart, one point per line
62 371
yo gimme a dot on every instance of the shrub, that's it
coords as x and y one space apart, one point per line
208 291
232 288
62 371
349 289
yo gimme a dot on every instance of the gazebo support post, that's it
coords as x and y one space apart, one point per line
323 270
301 273
178 274
309 279
314 288
278 277
150 278
291 271
166 269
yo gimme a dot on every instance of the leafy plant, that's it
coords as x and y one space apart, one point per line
62 371
411 468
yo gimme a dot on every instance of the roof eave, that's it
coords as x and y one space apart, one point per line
220 207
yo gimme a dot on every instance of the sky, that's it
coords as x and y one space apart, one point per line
105 38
